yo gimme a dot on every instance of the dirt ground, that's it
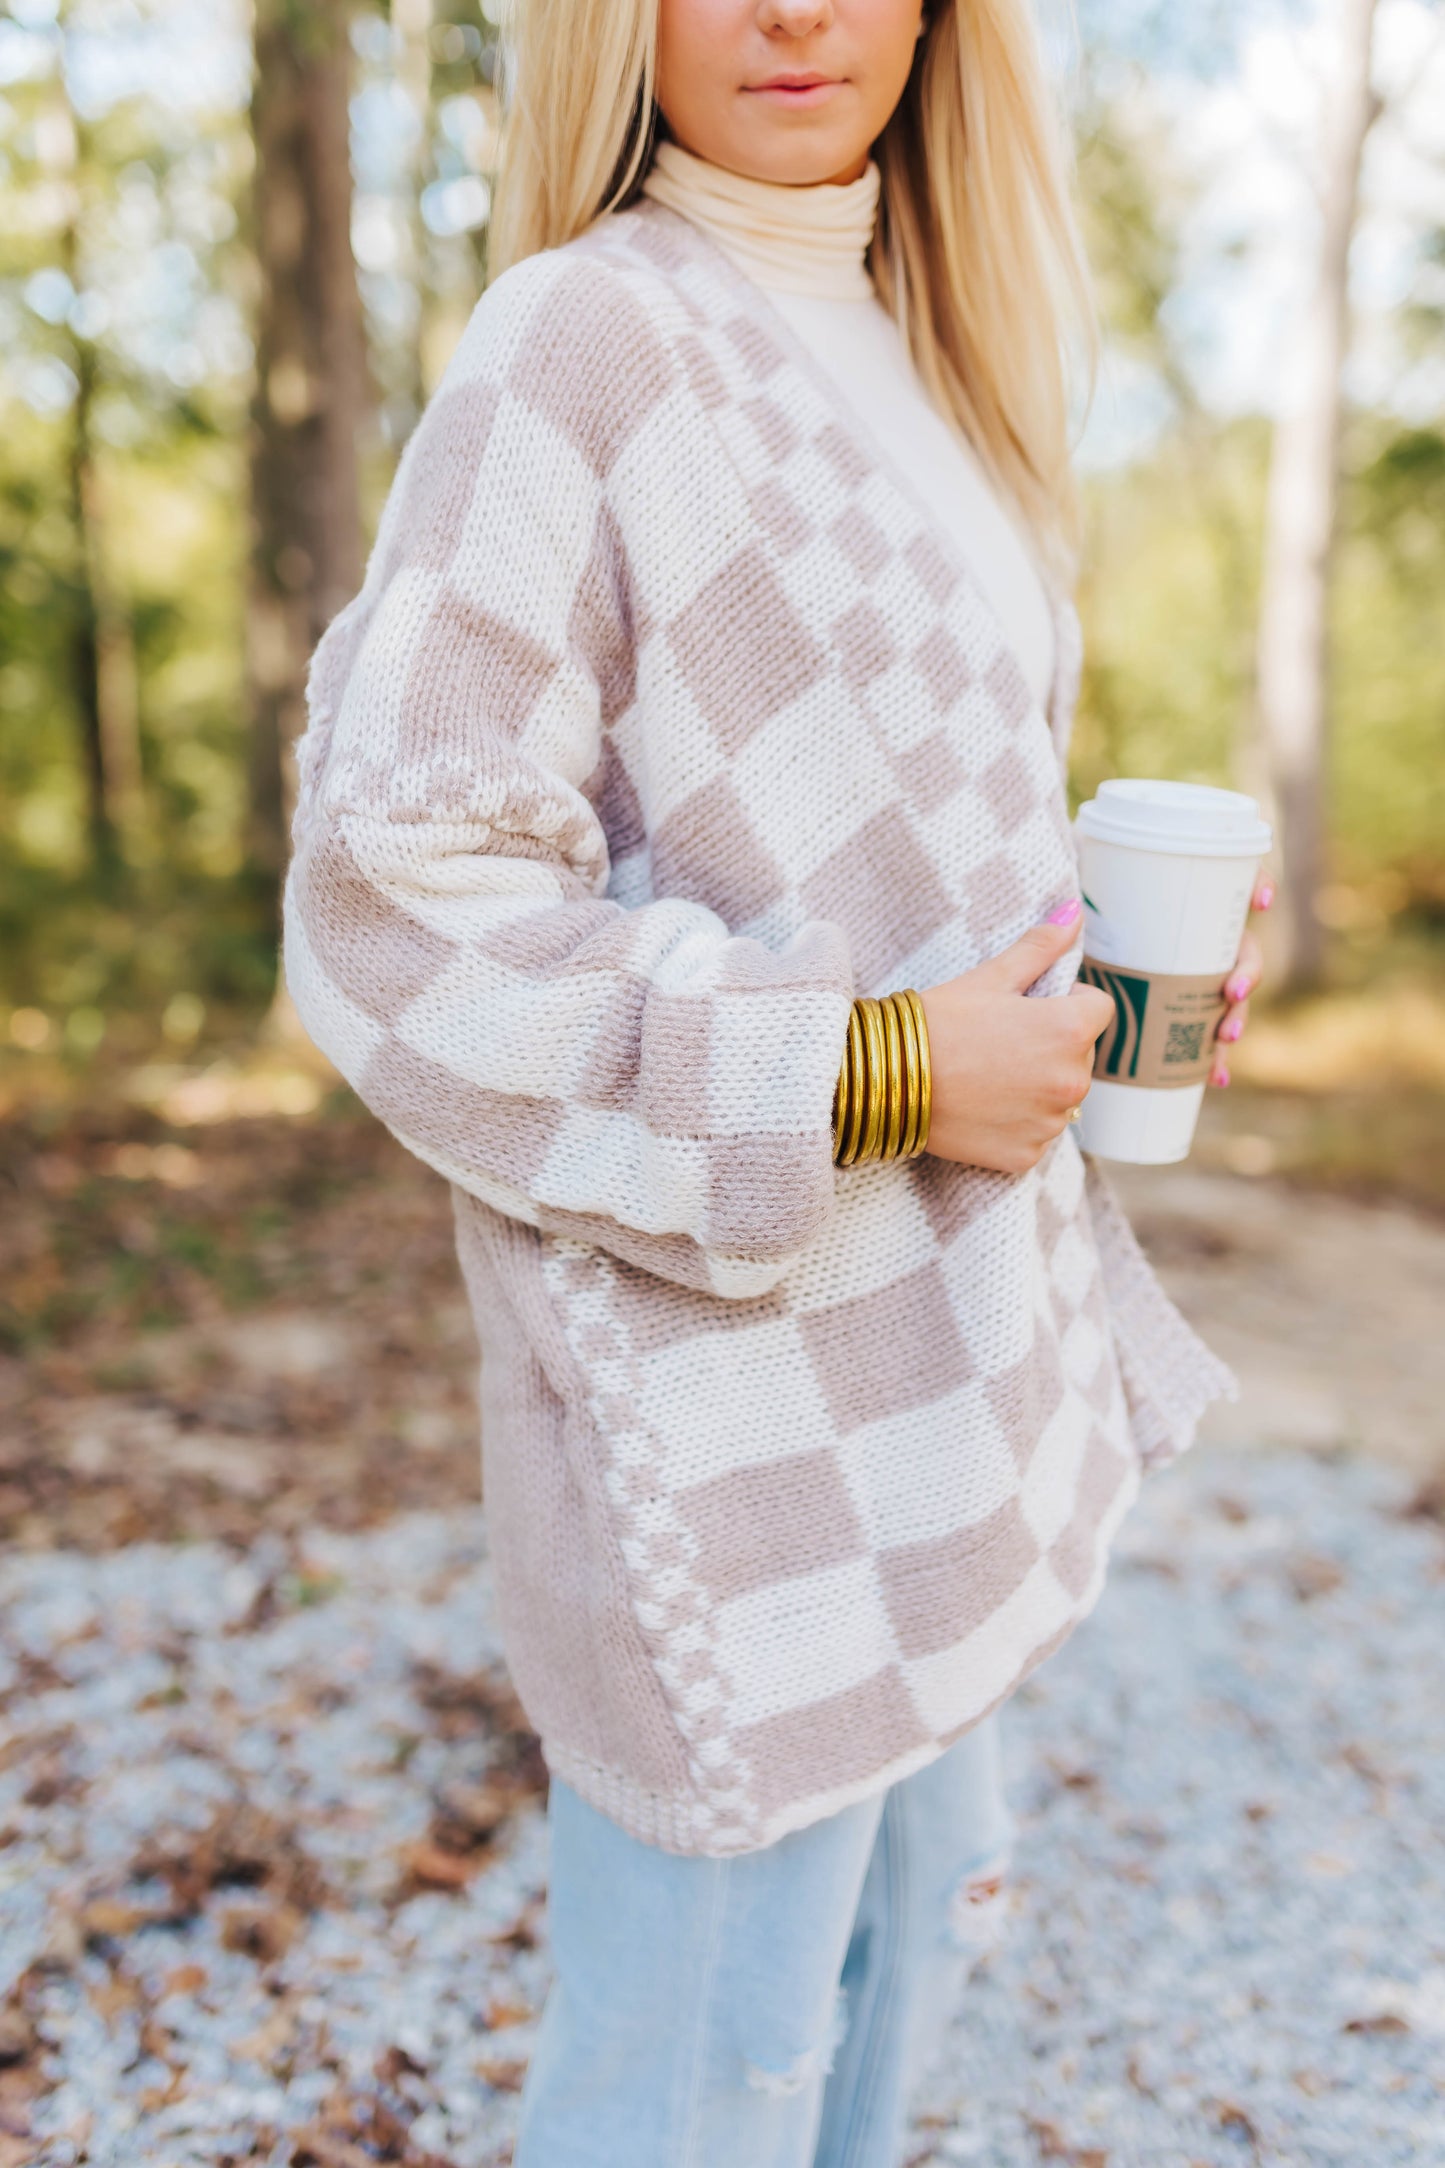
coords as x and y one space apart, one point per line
1331 1311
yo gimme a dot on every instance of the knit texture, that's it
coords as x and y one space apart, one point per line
666 721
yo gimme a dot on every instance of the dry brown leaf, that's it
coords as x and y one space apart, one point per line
434 1868
109 1997
499 2015
18 2037
473 1811
321 2149
1311 1575
265 1932
268 2040
156 2097
504 2076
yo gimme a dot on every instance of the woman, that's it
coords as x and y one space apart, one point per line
711 676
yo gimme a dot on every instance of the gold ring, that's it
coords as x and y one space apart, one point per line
1076 1114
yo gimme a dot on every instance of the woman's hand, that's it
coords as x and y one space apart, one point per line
1007 1069
1241 983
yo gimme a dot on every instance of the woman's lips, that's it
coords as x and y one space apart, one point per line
797 91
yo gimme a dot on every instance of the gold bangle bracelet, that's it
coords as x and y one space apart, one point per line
925 1074
883 1100
875 1107
851 1135
897 1103
912 1066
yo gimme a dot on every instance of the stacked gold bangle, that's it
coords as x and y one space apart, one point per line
883 1106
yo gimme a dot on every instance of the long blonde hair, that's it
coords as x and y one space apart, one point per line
976 254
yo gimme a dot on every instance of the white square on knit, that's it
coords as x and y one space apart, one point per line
564 732
469 896
685 756
702 517
1048 1498
951 1484
1082 1349
821 566
810 475
384 669
603 1162
812 776
956 1685
353 1035
750 1396
528 587
798 1641
960 835
538 1036
1035 842
1062 1175
1073 1266
879 1233
991 1275
775 1033
901 706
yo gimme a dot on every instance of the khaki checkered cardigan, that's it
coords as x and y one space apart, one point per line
666 721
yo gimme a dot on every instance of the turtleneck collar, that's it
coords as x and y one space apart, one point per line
811 241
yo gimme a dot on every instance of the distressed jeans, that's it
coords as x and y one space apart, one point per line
770 2010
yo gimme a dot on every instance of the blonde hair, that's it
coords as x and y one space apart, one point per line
976 254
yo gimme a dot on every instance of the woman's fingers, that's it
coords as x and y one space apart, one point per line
1237 989
1264 893
1231 1030
1246 973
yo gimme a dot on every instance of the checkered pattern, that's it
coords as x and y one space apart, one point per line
666 722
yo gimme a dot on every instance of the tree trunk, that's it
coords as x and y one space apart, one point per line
85 625
311 390
1294 646
411 22
102 655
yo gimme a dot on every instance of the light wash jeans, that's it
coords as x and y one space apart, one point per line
771 2010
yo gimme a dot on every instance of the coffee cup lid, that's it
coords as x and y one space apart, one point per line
1192 818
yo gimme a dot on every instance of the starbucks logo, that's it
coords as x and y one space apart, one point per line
1120 1046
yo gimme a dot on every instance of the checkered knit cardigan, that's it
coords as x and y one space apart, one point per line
665 723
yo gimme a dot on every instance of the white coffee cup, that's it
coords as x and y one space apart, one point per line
1167 873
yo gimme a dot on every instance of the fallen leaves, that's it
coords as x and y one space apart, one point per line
18 2037
1053 2145
23 2077
241 1846
265 1932
458 1843
163 1381
360 2131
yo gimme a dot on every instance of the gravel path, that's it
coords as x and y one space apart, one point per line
271 1856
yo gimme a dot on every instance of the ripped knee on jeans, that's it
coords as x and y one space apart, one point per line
978 1909
782 2081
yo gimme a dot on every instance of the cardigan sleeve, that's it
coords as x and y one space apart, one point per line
634 1077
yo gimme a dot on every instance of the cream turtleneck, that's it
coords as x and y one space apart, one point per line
808 247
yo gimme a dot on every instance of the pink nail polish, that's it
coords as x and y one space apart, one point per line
1267 894
1240 986
1066 913
1232 1030
1221 1078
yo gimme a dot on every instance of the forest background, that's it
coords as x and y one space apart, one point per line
226 290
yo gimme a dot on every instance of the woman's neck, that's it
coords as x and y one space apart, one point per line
811 241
